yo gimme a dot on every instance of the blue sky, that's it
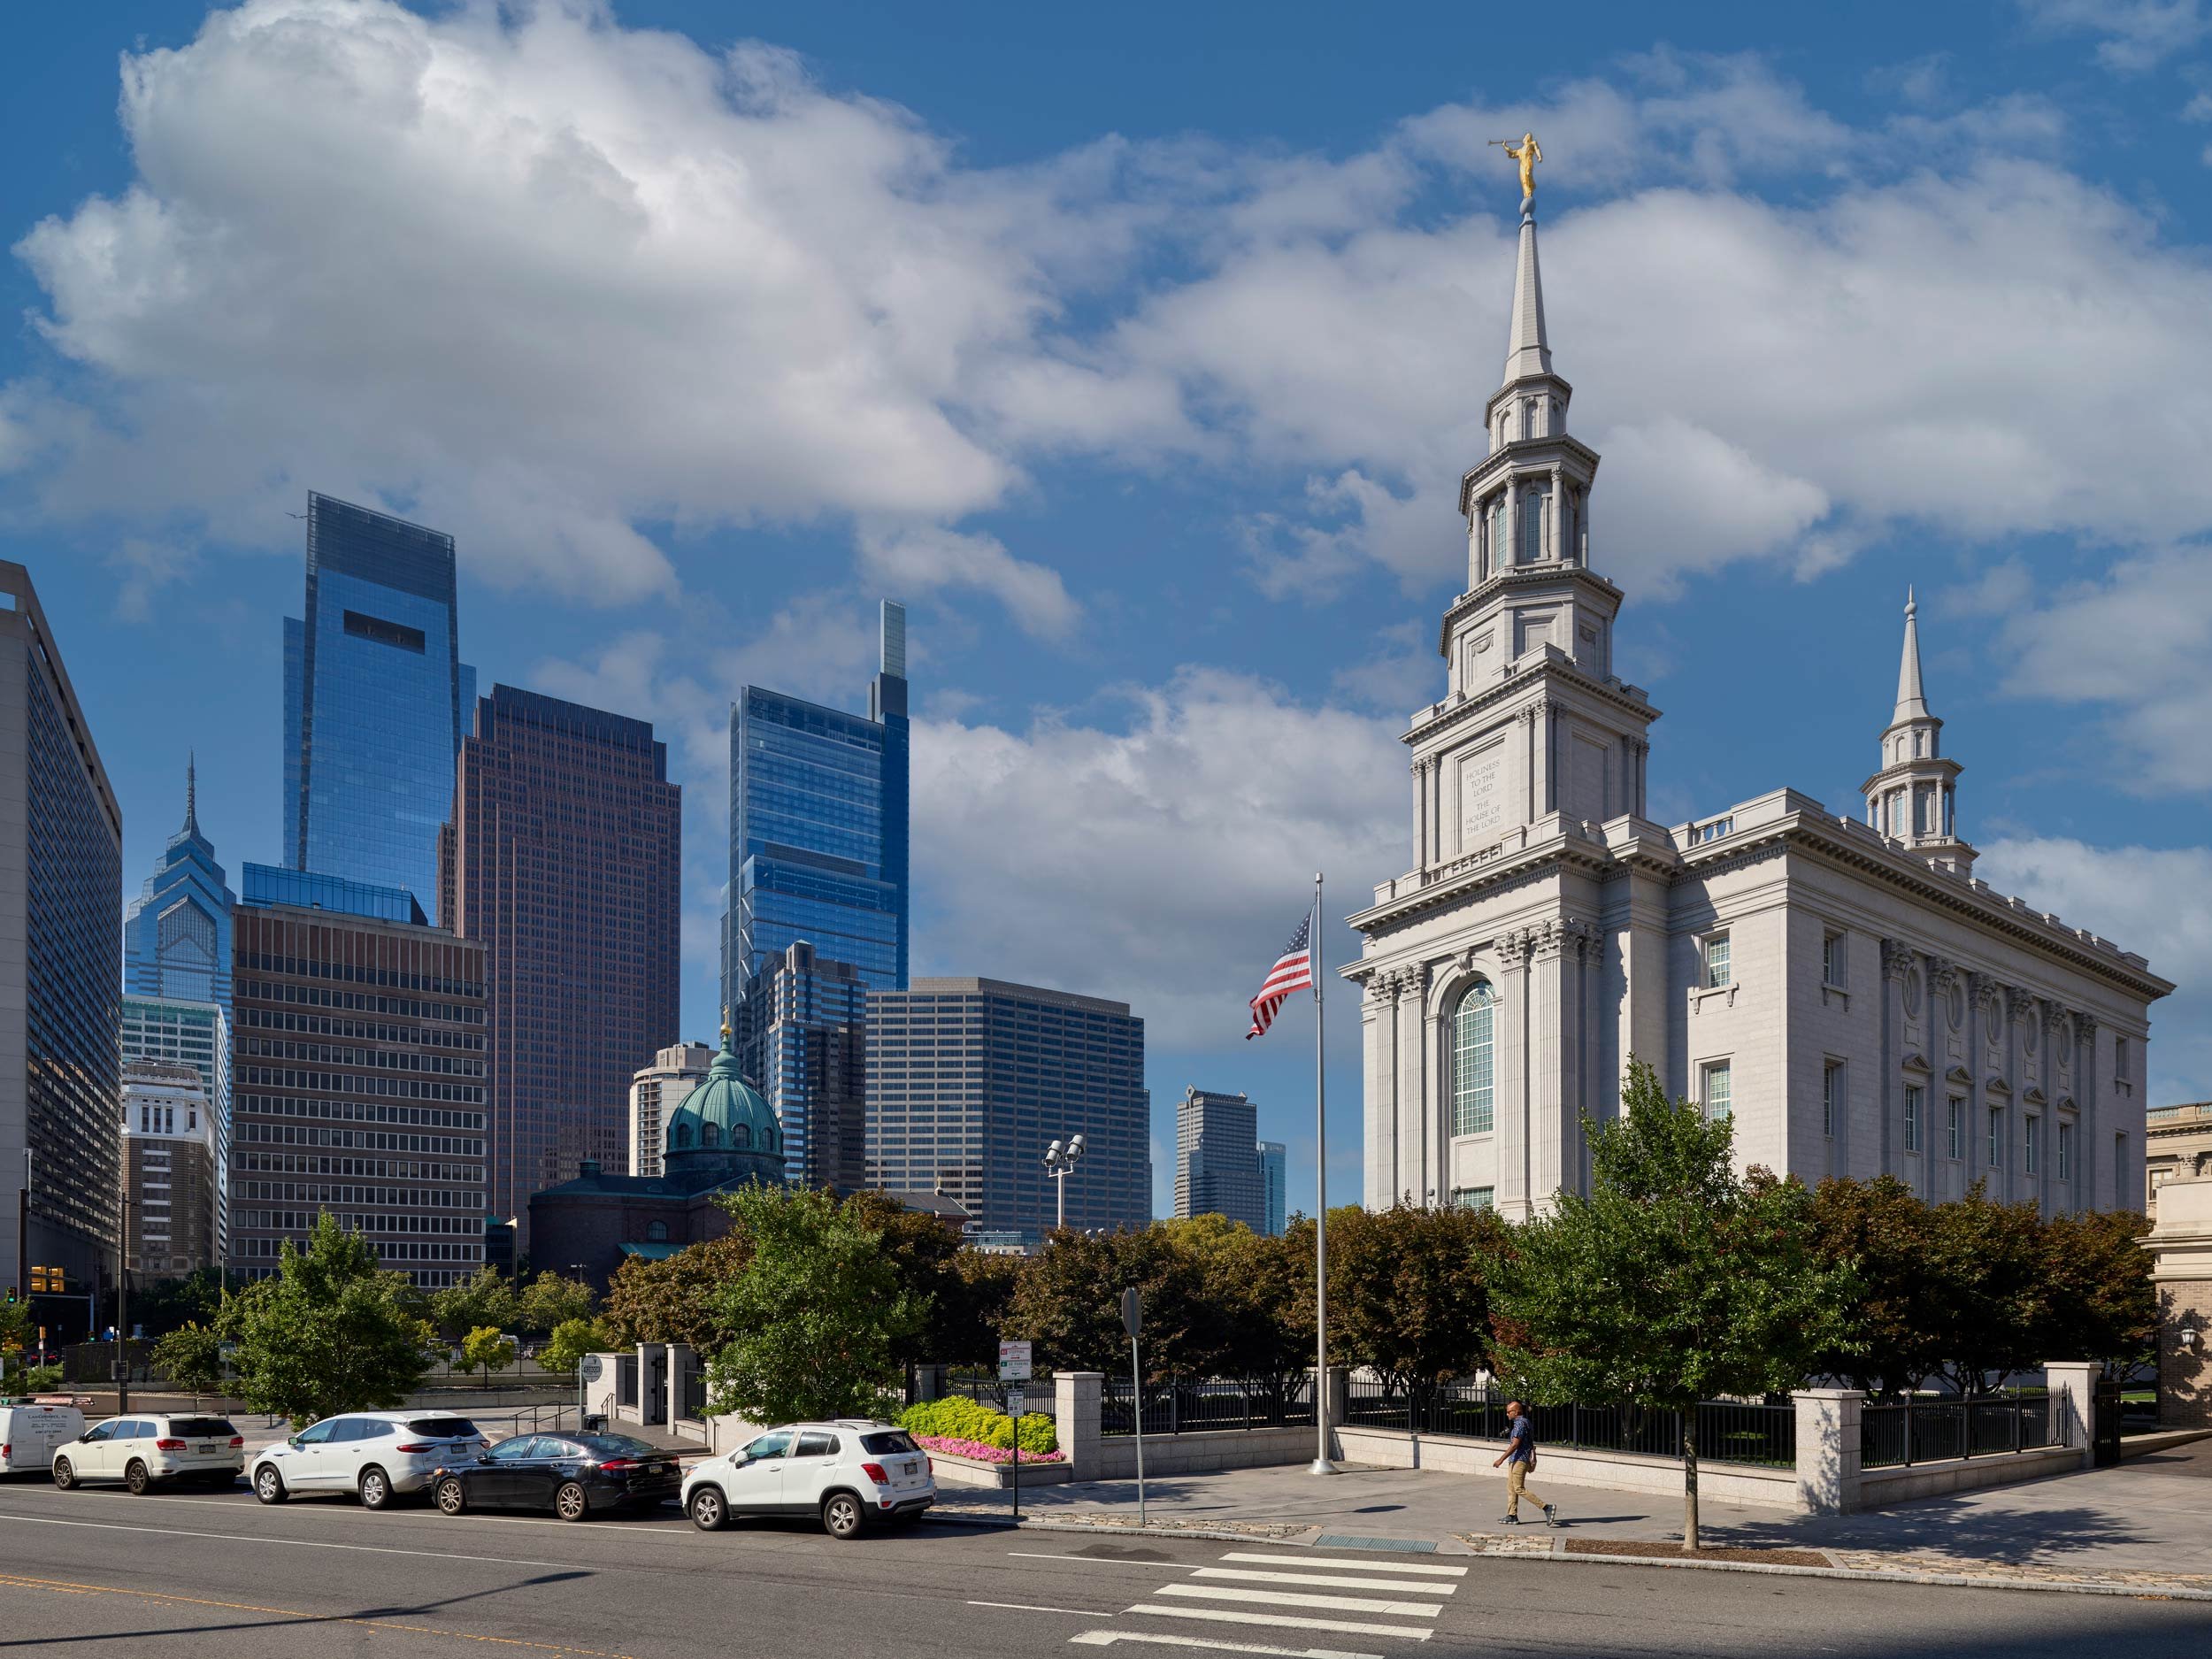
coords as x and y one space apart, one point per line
1139 353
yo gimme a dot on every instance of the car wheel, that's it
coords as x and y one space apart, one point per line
136 1479
841 1516
376 1489
452 1496
709 1513
64 1476
571 1502
268 1486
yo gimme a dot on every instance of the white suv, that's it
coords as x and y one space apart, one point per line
848 1472
139 1451
380 1456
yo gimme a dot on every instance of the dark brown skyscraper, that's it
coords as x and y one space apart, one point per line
563 858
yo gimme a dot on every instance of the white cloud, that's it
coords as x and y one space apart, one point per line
925 559
2138 35
1161 860
2155 901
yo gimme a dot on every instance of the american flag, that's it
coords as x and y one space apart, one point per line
1293 971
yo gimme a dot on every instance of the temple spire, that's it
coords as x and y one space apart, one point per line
1527 346
1912 704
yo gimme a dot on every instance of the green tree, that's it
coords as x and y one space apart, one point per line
1674 1280
163 1304
971 1309
2102 1305
551 1302
818 1313
191 1358
328 1331
490 1348
1410 1291
673 1301
486 1298
925 1251
1987 1266
571 1341
1068 1303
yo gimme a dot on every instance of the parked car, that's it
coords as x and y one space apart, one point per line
850 1473
381 1456
30 1433
575 1476
140 1451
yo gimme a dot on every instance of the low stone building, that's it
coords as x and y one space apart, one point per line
722 1137
2177 1147
2181 1255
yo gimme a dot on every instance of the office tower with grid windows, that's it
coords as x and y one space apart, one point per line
168 1170
818 828
375 695
655 1091
359 1085
562 859
171 1031
969 1079
1275 1185
802 1037
1217 1158
61 958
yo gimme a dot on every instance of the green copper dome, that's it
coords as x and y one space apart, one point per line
725 1114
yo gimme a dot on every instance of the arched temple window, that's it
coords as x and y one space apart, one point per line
1473 1073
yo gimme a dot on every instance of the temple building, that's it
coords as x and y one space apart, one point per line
1843 984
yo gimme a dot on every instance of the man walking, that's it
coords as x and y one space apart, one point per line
1519 1457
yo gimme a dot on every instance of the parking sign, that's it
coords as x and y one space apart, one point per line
1013 1362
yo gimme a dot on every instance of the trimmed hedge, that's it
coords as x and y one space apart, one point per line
960 1418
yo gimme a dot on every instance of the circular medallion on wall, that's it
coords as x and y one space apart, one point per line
1957 1009
2065 1042
1912 992
2028 1036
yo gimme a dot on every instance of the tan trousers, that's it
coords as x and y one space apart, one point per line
1517 1487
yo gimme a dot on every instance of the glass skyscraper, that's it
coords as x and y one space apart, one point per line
374 696
802 1037
818 828
61 894
176 934
1275 1178
1217 1166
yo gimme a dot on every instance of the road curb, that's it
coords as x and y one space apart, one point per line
1871 1575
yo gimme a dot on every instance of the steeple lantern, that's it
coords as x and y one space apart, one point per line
1913 796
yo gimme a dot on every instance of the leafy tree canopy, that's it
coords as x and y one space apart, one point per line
551 1301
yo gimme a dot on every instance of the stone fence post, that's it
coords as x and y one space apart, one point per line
1075 1419
2073 1386
1828 1448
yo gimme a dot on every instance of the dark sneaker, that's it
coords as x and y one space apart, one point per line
1551 1515
1509 1520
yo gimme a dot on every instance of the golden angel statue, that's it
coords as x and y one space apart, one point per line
1528 153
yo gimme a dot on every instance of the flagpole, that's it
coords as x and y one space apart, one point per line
1321 1390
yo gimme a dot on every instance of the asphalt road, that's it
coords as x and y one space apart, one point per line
98 1572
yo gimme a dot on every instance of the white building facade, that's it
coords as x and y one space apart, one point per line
655 1091
1845 987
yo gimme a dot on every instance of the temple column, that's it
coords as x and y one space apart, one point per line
1417 1150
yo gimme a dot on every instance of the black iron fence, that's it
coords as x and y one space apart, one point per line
1038 1393
1183 1405
692 1393
1728 1431
1917 1430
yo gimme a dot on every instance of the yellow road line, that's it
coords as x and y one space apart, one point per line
63 1587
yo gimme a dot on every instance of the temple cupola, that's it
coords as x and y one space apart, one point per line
1913 796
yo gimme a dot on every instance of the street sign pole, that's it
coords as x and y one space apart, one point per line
1013 1369
1133 1322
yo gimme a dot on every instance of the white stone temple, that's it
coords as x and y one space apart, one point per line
1844 985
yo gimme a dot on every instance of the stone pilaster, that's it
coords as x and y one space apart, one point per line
1417 1133
1897 959
1378 1032
2100 1191
1513 1036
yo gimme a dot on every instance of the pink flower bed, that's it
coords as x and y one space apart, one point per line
981 1452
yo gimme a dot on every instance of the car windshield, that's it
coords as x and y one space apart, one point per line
201 1428
881 1445
615 1446
443 1428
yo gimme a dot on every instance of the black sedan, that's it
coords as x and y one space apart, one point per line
575 1476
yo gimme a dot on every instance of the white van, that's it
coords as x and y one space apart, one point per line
29 1433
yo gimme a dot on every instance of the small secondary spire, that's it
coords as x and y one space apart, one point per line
1912 703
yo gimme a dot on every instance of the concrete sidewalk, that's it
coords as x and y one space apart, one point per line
2143 1525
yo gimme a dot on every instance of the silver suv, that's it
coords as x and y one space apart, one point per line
379 1455
850 1473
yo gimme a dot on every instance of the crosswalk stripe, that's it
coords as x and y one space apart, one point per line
1337 1563
1285 1621
1169 1639
1285 1598
1251 1575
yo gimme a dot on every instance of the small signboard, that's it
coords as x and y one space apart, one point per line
1013 1362
588 1367
1016 1402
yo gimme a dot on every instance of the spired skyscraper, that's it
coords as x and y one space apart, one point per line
818 828
176 967
374 696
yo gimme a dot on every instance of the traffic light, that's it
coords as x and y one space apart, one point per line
12 1297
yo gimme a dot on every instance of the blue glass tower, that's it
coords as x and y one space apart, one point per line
374 696
818 828
176 934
